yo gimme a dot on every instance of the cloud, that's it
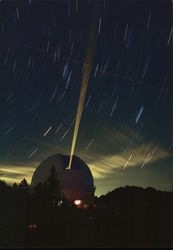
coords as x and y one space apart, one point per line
115 149
136 157
15 173
110 150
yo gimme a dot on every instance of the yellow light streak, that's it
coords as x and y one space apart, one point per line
84 85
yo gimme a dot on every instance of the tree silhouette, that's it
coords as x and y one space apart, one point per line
53 187
23 185
125 217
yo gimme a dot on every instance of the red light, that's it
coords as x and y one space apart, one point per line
31 226
77 202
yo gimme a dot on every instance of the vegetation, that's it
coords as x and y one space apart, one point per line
42 217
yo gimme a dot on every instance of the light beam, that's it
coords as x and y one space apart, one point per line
85 78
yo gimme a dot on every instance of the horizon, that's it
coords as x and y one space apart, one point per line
96 193
102 194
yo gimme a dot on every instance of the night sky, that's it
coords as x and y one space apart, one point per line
125 134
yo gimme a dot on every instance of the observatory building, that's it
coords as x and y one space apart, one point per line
76 183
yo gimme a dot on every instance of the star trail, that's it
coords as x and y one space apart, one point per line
125 132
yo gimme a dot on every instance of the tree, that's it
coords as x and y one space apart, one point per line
23 185
53 187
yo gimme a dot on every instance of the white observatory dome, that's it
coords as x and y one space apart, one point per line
76 183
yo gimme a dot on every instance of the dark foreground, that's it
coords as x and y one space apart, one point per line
125 217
